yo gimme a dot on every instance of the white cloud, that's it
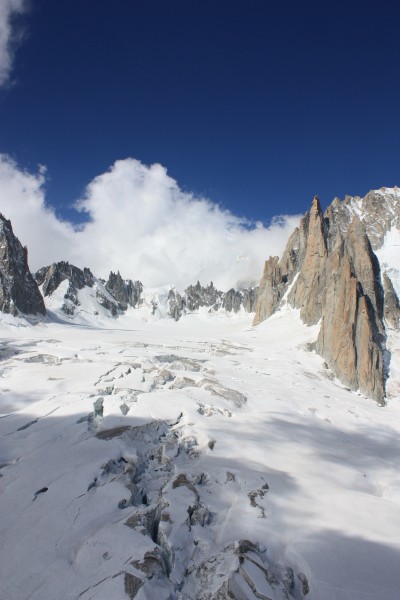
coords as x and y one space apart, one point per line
8 10
145 226
22 200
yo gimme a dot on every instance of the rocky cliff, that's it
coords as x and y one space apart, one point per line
125 291
19 293
330 272
114 296
198 296
51 277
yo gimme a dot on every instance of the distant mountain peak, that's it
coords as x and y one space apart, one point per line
337 270
113 296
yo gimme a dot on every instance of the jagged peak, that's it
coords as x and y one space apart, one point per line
388 191
19 293
315 204
5 221
338 283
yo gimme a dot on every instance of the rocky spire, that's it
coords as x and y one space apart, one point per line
307 293
19 293
351 337
331 273
126 292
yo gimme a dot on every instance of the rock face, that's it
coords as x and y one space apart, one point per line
246 298
115 296
126 292
330 272
379 211
198 296
391 304
52 276
19 293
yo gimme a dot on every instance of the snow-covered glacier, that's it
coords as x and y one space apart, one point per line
199 459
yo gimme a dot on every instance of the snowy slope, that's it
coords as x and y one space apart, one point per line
389 257
89 311
87 307
168 460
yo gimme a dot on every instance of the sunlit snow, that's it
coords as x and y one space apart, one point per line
278 452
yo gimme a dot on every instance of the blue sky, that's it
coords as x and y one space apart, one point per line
250 107
257 105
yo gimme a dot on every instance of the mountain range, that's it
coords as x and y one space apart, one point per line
199 444
330 271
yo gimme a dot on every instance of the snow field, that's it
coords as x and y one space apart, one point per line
179 458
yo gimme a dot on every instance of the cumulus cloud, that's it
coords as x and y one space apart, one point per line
22 200
8 38
142 224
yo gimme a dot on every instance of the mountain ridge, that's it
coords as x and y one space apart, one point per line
207 458
330 271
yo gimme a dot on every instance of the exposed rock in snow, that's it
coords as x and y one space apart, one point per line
392 304
117 295
51 277
19 293
246 298
197 296
201 460
74 282
114 296
126 292
330 272
379 211
351 335
176 304
208 460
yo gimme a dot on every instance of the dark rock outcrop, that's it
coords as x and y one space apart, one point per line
126 292
330 272
176 304
233 300
249 300
198 296
19 293
108 302
52 276
115 295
